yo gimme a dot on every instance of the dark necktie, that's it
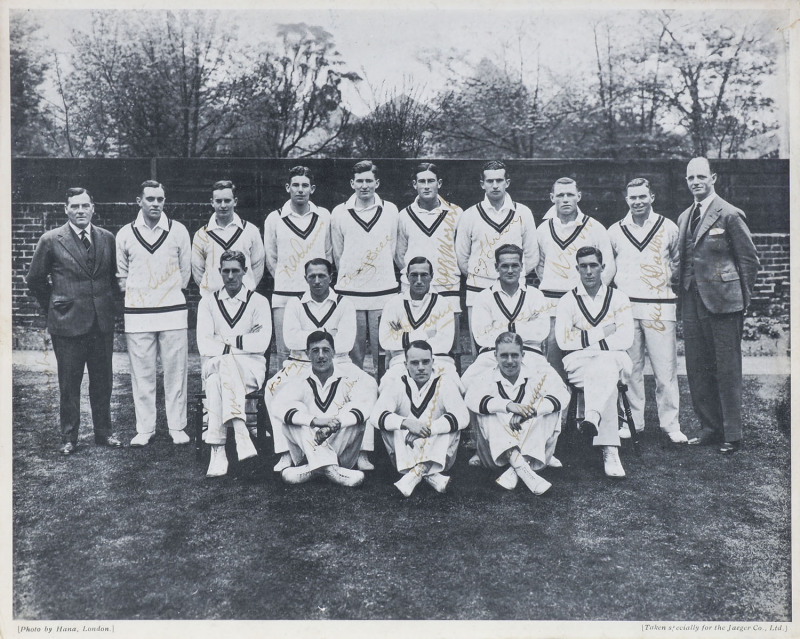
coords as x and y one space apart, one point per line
695 220
85 240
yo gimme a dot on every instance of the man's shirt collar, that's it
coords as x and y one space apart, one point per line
241 296
163 222
507 204
601 292
704 204
287 209
353 200
78 231
497 287
331 297
213 224
628 220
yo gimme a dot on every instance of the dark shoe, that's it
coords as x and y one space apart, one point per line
587 428
703 440
112 441
728 448
67 449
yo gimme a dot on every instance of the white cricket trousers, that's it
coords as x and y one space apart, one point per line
144 349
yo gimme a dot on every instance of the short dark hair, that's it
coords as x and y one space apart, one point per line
319 261
302 171
508 338
564 180
585 251
77 190
420 260
418 343
638 182
507 249
224 184
493 165
365 165
319 336
151 184
233 256
425 166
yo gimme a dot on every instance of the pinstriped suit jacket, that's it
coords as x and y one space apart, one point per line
67 289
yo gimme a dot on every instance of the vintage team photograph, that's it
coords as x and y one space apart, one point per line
400 313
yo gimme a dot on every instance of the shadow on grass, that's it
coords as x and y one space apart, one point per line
140 534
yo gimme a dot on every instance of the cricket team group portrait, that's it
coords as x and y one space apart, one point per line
606 302
391 315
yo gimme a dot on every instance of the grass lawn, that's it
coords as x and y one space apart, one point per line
139 533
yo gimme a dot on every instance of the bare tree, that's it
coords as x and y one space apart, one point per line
715 87
295 105
400 125
151 84
28 67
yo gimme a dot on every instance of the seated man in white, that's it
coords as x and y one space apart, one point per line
234 328
324 415
419 315
518 412
420 417
507 306
594 329
320 308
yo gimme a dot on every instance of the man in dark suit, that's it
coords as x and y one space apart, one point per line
73 277
717 273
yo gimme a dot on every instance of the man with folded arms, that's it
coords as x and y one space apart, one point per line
594 328
419 315
420 417
324 417
234 328
518 411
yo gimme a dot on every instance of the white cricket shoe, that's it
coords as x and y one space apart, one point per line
536 484
407 483
677 437
344 476
179 437
437 481
283 463
142 439
218 464
613 466
508 479
363 462
555 462
297 474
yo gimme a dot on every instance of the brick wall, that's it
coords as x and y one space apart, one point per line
31 220
772 286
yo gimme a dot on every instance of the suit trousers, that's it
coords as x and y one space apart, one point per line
713 343
659 341
94 351
143 351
